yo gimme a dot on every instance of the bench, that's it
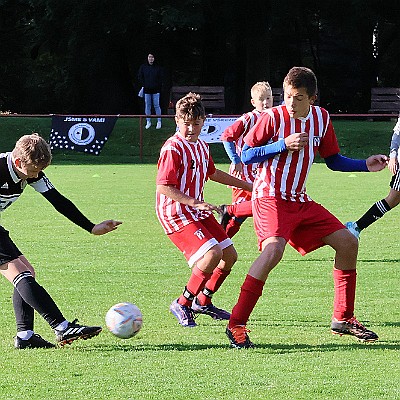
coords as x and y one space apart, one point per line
213 97
385 100
277 94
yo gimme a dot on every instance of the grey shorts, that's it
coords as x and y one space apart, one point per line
395 182
8 250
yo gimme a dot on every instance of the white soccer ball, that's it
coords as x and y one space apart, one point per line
124 320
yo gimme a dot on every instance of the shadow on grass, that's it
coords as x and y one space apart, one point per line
272 348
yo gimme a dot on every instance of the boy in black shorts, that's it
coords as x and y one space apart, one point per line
24 166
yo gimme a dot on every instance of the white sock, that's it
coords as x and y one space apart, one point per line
25 335
62 327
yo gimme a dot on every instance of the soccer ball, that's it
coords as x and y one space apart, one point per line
124 320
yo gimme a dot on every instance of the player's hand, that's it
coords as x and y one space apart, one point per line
237 170
207 207
376 162
393 165
296 141
105 227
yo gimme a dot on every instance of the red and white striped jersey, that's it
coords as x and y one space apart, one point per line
285 175
236 133
187 166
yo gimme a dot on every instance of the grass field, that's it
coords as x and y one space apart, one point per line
296 356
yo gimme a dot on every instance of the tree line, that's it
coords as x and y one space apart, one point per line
82 56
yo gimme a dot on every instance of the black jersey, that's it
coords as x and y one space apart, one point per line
12 186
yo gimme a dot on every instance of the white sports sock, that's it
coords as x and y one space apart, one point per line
62 327
25 335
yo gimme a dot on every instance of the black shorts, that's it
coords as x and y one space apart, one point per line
395 182
8 250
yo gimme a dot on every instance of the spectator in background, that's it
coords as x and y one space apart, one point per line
150 77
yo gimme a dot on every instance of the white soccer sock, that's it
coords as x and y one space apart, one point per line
25 335
62 327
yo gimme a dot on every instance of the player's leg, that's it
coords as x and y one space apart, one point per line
220 271
38 298
233 215
203 253
379 209
344 277
272 233
251 291
24 316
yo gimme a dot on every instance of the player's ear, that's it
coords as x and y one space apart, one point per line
18 162
313 99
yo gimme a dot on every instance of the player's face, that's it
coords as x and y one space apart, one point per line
150 59
262 101
190 129
26 170
297 101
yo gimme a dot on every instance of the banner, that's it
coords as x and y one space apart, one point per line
213 128
84 134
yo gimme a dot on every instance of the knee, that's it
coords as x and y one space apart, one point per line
230 255
215 254
349 245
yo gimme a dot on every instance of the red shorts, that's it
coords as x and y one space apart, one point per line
195 239
239 195
302 225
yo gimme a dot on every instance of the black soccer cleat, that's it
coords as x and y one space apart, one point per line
34 342
224 217
354 328
238 337
75 331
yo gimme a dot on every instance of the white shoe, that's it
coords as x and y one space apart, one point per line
148 125
158 126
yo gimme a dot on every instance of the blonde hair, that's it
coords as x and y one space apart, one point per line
190 107
260 88
33 149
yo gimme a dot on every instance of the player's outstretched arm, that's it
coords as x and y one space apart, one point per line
374 163
105 227
226 179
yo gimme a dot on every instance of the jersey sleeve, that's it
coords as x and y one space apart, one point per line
329 144
234 131
65 207
261 132
211 167
41 184
168 166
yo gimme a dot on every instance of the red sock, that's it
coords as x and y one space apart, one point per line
250 292
240 210
196 283
232 228
212 285
345 293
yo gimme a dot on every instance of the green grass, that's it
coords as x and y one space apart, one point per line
296 356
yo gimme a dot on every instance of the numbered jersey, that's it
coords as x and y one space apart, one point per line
186 166
11 186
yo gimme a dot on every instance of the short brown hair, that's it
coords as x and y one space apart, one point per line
302 77
190 107
33 149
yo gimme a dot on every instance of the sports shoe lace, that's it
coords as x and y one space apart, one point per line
240 333
355 324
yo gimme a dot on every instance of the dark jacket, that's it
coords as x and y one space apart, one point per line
151 78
